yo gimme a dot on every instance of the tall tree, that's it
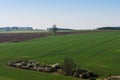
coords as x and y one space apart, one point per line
54 29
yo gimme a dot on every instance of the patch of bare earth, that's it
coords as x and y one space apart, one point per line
10 37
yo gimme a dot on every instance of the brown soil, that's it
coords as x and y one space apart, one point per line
10 37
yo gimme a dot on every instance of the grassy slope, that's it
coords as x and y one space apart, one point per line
99 52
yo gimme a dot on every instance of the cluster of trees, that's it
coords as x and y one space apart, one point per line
15 28
59 29
54 29
108 28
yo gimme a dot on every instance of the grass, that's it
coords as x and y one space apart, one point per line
98 52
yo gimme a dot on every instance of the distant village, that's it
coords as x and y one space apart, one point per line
15 28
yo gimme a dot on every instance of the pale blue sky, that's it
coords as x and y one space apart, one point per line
78 14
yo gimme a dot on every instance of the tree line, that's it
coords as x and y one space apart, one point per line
108 28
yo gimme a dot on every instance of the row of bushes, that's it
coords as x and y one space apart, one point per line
33 65
68 68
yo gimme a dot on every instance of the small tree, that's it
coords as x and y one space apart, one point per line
68 66
54 29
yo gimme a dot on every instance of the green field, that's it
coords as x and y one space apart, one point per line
98 52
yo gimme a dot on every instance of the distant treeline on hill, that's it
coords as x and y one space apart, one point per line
15 28
108 28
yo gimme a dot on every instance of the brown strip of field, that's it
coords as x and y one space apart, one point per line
10 37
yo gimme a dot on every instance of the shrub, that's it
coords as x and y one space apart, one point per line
68 66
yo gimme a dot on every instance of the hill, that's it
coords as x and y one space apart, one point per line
96 51
108 28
